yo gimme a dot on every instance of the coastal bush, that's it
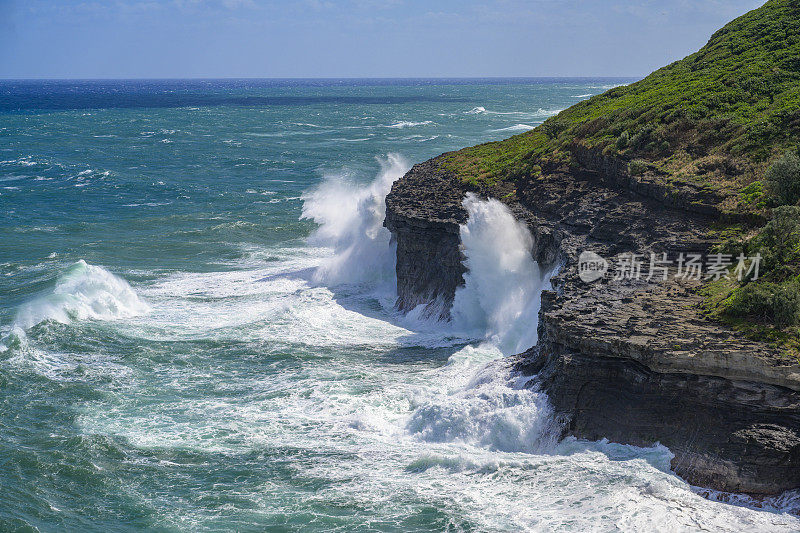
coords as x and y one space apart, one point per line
637 167
623 140
753 195
779 241
776 303
553 127
783 179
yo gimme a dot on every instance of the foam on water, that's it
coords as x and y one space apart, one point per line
351 223
83 292
409 124
517 127
503 284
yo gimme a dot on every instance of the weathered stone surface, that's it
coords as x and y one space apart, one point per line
423 215
632 361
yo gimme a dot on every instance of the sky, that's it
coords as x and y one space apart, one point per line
352 38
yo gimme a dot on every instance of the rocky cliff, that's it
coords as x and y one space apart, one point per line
670 164
632 361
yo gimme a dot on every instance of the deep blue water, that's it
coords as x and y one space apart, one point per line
180 350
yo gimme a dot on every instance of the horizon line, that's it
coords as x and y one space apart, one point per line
299 78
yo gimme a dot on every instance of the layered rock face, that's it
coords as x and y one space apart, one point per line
423 215
629 360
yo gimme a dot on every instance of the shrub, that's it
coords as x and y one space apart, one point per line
637 167
753 195
778 303
783 179
553 128
642 138
623 140
780 238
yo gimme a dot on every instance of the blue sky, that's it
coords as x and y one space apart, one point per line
352 38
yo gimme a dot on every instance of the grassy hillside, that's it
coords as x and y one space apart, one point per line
716 118
726 120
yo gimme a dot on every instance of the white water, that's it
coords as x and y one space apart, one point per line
503 285
83 292
464 435
351 224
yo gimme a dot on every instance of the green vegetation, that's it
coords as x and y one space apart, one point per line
783 179
717 117
766 308
725 120
776 303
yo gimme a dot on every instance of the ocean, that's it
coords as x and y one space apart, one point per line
197 330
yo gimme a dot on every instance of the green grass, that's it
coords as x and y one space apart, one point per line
718 293
721 120
717 117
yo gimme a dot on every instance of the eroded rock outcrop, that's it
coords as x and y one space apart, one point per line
632 361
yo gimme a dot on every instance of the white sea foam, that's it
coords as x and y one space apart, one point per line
516 127
83 292
351 223
409 124
503 284
539 113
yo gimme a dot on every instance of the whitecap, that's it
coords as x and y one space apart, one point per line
516 127
408 124
82 292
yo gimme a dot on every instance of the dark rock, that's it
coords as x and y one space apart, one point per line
632 361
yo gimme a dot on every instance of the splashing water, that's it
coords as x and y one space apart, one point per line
502 288
351 223
83 292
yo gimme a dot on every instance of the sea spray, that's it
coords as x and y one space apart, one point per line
351 224
502 288
83 291
485 404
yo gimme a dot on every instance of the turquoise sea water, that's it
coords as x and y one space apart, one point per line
197 332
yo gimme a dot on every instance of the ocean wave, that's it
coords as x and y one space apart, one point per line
26 161
547 112
408 124
539 113
502 287
147 204
420 138
82 292
487 411
516 127
587 95
351 224
476 111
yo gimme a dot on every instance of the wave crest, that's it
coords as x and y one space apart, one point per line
84 291
350 218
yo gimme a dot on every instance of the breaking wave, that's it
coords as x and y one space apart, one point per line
408 124
82 292
503 284
350 218
516 127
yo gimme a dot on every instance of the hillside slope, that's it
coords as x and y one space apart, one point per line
715 119
685 161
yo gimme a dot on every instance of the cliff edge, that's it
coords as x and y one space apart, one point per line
663 166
